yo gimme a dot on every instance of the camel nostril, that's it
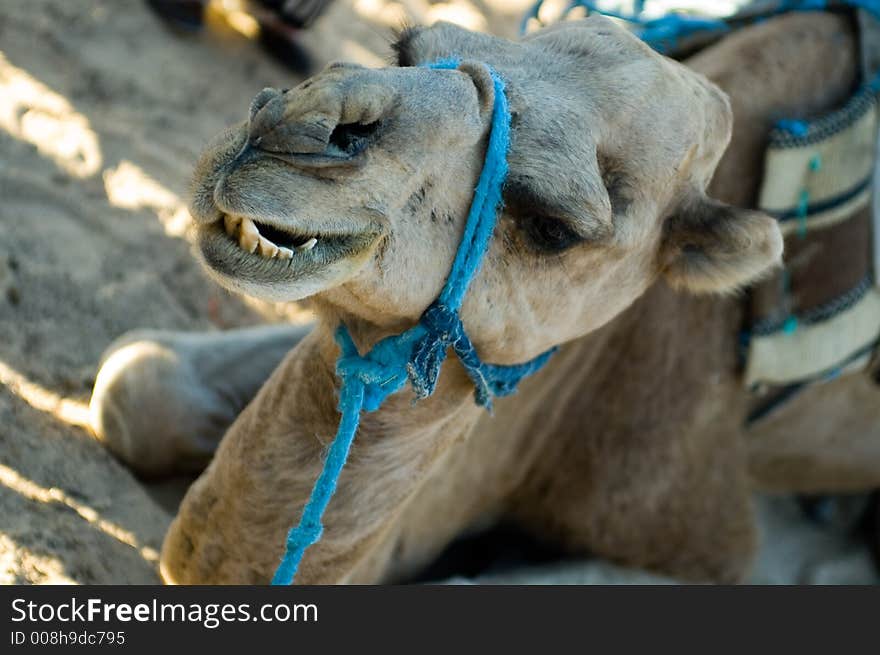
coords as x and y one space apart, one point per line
352 138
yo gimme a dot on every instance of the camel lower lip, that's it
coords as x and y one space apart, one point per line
224 254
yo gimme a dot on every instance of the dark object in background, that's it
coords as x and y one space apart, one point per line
279 21
874 527
503 548
187 15
855 515
299 14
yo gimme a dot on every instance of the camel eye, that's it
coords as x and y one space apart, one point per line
537 218
549 235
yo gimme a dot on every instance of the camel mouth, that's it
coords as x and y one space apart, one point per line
251 250
268 241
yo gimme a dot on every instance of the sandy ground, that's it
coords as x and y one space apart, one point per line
102 113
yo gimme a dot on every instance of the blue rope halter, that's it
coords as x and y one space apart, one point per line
417 354
662 33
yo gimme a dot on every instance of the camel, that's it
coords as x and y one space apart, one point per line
622 240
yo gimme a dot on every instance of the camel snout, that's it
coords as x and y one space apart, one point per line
308 120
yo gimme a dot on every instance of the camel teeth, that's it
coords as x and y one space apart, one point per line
266 248
308 245
245 232
231 224
249 237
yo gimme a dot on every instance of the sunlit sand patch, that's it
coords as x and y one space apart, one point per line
32 112
129 187
15 558
351 51
460 13
552 10
29 489
37 396
508 7
390 14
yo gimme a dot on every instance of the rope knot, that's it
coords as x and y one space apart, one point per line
443 323
378 373
367 371
443 329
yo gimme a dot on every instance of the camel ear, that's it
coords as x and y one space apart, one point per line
711 247
482 78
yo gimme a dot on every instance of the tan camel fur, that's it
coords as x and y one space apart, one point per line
353 188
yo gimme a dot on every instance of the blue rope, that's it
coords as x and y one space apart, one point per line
417 354
660 33
663 33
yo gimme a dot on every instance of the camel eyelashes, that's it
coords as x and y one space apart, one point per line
549 235
538 218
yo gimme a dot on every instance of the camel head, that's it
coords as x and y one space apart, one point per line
354 186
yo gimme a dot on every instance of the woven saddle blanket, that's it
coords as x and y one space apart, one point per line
819 315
